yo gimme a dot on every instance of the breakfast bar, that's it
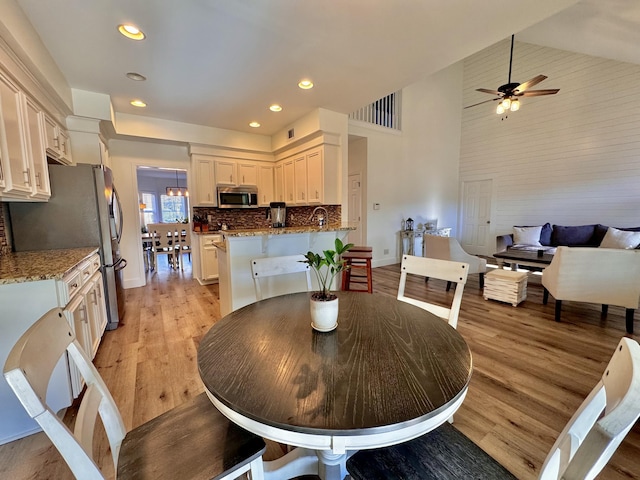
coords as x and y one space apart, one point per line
239 247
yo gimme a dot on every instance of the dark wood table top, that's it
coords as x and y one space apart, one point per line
388 364
525 255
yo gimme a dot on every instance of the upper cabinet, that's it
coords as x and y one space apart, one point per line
210 172
247 174
226 172
204 173
301 179
289 181
278 183
265 185
315 177
57 141
13 143
24 175
34 118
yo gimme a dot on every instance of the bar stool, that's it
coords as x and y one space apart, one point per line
358 258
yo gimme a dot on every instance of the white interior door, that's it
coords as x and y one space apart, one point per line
355 209
476 217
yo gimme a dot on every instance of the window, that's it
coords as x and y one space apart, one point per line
173 208
148 207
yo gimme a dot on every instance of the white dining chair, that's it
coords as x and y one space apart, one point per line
165 242
184 243
263 268
581 451
455 272
193 440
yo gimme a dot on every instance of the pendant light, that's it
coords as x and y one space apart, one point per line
177 191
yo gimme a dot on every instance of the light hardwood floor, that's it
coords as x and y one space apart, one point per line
530 373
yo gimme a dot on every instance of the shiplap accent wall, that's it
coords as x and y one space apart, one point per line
572 158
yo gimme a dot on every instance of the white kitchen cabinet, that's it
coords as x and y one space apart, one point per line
278 182
76 312
303 179
265 185
204 173
300 179
315 177
24 302
82 288
289 181
39 173
226 172
247 174
13 142
57 141
97 311
209 258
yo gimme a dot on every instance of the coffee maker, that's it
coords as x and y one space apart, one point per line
277 212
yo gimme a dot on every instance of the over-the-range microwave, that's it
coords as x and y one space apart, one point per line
237 197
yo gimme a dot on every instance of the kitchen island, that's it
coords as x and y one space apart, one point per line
239 247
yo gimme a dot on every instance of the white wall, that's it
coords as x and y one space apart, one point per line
125 158
571 158
414 173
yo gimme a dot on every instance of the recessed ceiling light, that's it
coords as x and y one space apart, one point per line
305 84
131 31
275 108
138 103
254 124
136 76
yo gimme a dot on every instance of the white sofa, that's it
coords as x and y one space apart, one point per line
594 275
448 248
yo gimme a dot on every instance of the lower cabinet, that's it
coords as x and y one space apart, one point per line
87 314
206 258
80 293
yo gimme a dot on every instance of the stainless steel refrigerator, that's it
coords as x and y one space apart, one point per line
84 211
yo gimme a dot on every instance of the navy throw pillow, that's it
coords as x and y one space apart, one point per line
579 235
598 234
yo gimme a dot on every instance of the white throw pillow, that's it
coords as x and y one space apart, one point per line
615 238
527 236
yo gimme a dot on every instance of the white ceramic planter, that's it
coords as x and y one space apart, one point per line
324 315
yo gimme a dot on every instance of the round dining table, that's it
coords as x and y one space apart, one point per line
388 373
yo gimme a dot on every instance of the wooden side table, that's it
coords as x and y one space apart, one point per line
505 286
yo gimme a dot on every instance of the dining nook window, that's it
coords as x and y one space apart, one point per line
173 208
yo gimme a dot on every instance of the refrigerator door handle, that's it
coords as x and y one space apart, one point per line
118 212
117 266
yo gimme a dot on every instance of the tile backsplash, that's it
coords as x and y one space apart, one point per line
241 218
4 241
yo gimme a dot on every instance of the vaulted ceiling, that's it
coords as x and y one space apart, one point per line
222 63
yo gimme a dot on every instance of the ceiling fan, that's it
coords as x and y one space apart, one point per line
509 92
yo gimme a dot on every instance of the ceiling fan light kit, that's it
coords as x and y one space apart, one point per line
508 93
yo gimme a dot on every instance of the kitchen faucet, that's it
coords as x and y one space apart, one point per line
321 219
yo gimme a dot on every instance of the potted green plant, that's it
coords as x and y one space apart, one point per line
324 304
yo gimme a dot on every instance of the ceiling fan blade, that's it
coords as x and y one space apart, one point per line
491 92
486 101
529 83
537 93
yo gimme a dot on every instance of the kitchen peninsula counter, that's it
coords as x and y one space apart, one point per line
239 247
32 266
256 232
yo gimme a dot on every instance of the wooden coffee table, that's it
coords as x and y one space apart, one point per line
528 258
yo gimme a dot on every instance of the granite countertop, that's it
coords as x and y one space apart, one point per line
255 232
20 267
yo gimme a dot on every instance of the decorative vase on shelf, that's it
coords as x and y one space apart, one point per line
324 304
